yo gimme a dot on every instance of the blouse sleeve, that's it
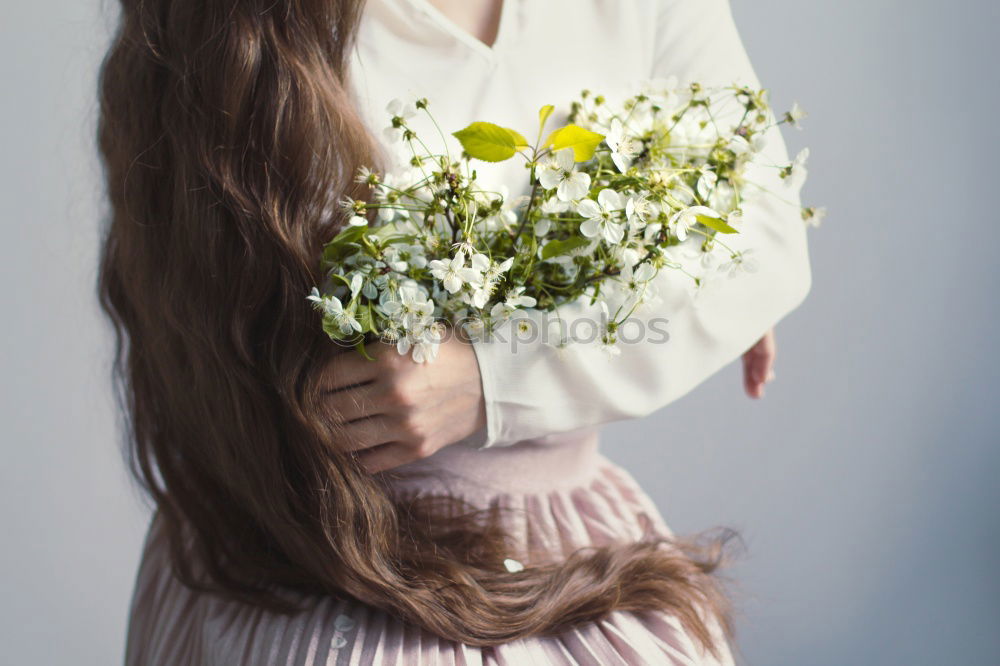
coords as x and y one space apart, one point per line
533 388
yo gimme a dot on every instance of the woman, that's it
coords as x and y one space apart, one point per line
314 507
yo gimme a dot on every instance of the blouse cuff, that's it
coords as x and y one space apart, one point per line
490 435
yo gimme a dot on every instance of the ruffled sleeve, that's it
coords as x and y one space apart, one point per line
533 388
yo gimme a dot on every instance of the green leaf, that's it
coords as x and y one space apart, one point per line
344 243
332 254
342 278
717 224
351 234
555 248
582 141
331 329
361 349
364 317
388 234
489 142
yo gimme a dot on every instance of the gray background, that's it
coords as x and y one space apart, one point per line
863 484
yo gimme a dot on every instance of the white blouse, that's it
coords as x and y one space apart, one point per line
546 52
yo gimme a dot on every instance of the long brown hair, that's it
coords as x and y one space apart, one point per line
228 135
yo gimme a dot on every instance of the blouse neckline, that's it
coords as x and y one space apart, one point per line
441 20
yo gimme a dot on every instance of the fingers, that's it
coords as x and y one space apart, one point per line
750 384
761 364
368 432
349 369
386 457
354 403
758 365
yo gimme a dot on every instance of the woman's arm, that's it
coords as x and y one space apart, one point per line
393 410
534 389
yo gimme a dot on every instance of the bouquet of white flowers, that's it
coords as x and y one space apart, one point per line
613 194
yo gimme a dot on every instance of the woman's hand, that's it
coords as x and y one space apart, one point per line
395 411
758 365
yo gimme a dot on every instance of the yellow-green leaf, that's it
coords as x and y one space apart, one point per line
544 113
716 223
520 143
489 142
582 141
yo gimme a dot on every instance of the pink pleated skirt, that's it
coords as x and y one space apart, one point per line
560 493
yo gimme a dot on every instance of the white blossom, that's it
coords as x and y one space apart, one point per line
402 257
707 183
559 172
639 209
739 145
366 175
427 343
402 108
357 282
333 309
514 300
401 111
637 276
489 276
602 216
634 283
453 274
685 219
554 207
740 262
608 339
814 216
700 257
796 115
409 307
795 173
482 285
624 148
